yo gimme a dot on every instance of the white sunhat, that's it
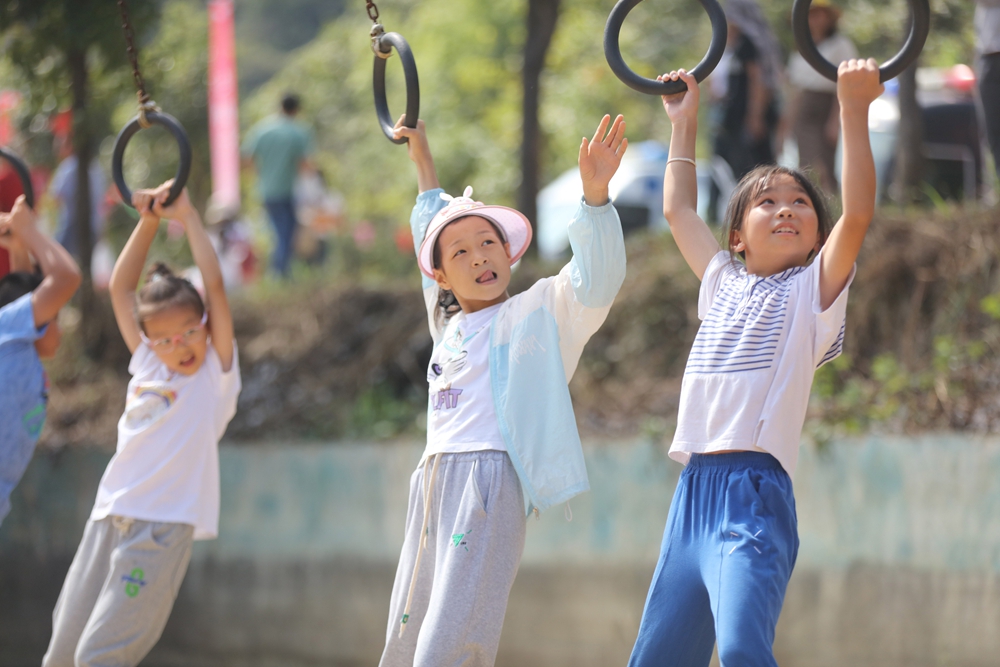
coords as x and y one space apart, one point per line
513 224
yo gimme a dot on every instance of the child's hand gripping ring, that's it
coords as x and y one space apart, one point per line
613 53
921 25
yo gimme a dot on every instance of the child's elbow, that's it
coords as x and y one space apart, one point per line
73 277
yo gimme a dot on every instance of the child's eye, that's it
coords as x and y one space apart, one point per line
458 253
766 200
488 242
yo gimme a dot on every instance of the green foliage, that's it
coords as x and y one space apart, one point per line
469 58
175 64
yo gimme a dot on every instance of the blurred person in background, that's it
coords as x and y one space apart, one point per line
230 236
278 148
62 189
813 115
746 92
988 44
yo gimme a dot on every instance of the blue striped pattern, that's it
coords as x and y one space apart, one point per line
835 349
745 325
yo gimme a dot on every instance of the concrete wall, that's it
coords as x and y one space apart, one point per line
899 563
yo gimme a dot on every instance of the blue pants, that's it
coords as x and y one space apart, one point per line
728 551
282 214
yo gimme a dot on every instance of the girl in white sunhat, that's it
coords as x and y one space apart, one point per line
501 435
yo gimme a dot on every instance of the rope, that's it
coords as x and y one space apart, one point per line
145 103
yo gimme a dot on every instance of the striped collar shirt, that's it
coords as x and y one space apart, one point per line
748 377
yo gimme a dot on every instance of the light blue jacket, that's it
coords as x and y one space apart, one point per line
536 341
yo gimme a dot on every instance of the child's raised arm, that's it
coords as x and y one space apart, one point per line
128 268
420 152
61 274
220 319
680 181
857 87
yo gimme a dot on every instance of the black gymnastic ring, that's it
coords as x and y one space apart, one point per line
183 145
23 174
921 26
613 52
394 39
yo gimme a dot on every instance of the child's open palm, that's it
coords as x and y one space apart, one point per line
599 159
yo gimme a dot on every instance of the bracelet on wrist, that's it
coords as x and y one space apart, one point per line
682 159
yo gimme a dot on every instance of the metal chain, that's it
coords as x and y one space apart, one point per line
376 32
145 104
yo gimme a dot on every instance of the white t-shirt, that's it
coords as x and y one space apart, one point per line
836 48
461 413
166 467
748 377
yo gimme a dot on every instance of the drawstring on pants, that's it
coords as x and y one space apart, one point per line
428 488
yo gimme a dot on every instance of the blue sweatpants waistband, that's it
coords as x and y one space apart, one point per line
735 461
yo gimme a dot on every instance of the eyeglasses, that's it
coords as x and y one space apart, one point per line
169 344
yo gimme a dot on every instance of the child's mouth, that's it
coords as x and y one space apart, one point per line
785 230
187 363
487 278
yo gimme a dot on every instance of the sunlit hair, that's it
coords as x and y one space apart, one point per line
164 290
753 184
447 303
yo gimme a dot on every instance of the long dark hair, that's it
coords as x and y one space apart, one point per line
447 303
753 184
164 289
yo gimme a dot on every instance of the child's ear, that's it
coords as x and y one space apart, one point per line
736 243
442 280
506 248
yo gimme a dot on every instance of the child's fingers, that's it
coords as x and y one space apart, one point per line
617 133
687 78
399 123
609 139
601 127
620 150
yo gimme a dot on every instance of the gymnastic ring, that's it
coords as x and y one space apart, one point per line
22 172
921 13
613 52
183 145
394 39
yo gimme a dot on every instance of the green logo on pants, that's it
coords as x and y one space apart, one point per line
134 582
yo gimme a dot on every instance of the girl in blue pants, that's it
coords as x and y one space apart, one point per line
772 306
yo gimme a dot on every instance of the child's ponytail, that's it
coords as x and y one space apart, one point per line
164 289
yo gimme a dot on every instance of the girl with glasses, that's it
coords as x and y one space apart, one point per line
160 491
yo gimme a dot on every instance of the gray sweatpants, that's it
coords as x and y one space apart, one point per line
475 537
118 593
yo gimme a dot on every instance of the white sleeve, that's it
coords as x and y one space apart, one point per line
227 386
140 358
828 332
717 269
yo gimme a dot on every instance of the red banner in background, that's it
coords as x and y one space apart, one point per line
223 103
